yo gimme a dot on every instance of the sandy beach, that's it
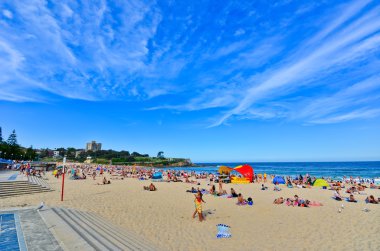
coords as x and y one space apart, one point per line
164 216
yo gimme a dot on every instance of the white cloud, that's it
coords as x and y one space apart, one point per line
8 13
343 44
75 54
239 32
356 114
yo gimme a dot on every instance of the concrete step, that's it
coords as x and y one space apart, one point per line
15 188
68 239
22 190
131 239
3 195
13 183
95 241
96 232
38 181
22 187
114 236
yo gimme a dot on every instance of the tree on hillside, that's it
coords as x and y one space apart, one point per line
30 153
160 155
1 135
71 152
12 139
62 151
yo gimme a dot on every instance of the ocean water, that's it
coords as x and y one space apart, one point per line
365 169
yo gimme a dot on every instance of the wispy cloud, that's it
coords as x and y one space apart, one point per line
342 45
75 52
258 66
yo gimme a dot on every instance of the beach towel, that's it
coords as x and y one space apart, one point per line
242 204
223 231
348 200
224 196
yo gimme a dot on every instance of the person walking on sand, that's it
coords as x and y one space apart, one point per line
198 205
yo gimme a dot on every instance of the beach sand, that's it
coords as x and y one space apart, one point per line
164 216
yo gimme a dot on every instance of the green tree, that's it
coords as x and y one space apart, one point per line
1 135
62 151
30 154
12 139
71 152
160 155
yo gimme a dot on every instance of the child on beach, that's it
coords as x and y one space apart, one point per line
241 200
198 205
263 187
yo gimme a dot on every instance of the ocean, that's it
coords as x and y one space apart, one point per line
365 169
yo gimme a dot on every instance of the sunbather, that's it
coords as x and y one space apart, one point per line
212 189
233 193
276 188
371 199
278 201
351 198
151 187
314 203
337 195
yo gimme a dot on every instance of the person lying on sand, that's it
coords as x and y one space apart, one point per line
193 190
373 186
289 202
313 203
371 199
352 199
278 201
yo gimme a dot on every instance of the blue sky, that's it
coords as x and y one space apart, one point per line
209 80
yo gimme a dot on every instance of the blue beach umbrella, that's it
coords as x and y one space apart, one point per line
279 180
157 175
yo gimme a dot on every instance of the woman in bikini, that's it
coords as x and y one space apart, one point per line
198 205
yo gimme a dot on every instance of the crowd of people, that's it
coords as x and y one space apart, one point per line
215 184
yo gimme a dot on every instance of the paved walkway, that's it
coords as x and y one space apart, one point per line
11 236
32 230
6 176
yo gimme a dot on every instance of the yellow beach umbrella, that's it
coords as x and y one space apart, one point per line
320 183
